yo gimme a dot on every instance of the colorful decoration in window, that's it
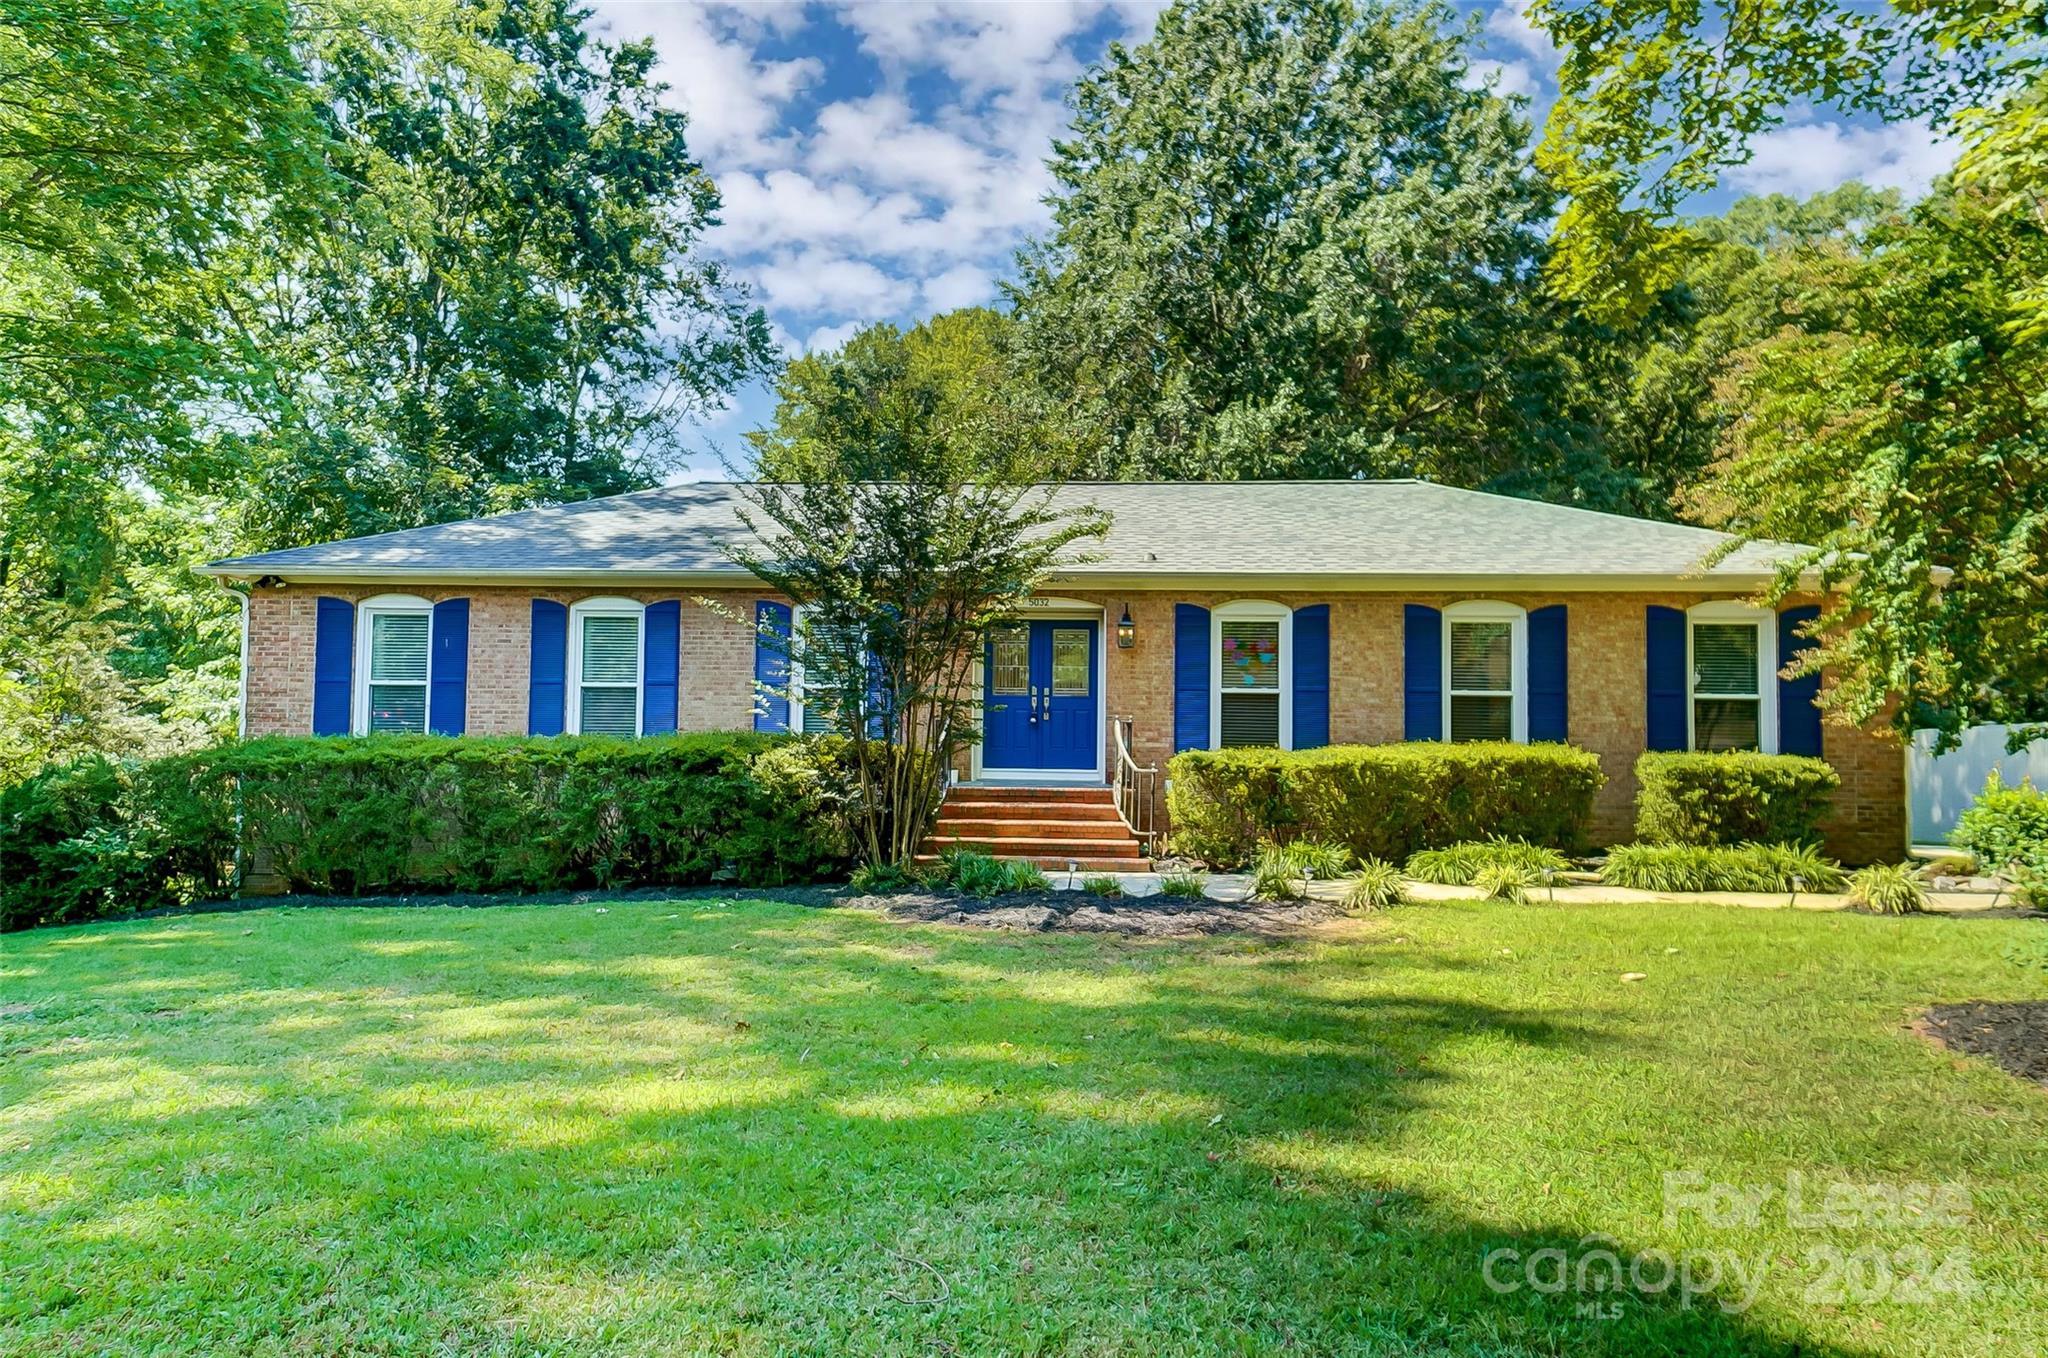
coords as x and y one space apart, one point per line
1251 655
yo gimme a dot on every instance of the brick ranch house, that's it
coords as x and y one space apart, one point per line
1288 613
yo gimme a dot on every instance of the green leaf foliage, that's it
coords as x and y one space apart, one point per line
1382 801
1295 238
1888 889
1462 864
349 817
1742 867
1375 885
2005 826
1731 797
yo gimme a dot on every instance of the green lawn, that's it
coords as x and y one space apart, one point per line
693 1127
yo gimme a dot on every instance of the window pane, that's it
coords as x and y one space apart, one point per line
1070 660
1724 724
1251 719
1482 656
1011 659
610 712
1724 656
611 650
398 648
1475 718
1251 656
398 707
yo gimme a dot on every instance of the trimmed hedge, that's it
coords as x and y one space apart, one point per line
422 813
1379 801
1734 797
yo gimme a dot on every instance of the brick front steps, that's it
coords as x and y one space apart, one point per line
1049 826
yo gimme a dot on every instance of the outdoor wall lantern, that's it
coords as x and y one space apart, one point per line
1126 631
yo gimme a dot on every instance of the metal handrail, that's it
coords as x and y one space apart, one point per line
1131 787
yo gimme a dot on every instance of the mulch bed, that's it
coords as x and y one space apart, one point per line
2012 1035
1077 912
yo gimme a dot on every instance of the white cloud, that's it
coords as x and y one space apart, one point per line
961 285
1809 157
878 141
735 99
831 336
807 282
1508 26
1512 77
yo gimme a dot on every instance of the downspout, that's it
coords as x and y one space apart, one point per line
241 591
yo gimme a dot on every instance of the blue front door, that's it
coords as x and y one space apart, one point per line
1038 698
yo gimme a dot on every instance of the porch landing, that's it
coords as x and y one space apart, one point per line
1049 825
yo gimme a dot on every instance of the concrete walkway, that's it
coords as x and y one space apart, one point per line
1233 886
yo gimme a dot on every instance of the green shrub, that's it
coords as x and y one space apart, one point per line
71 848
1186 886
1460 864
1021 876
1888 888
1734 797
973 873
1745 867
1376 885
2004 826
1504 881
1102 884
882 878
427 813
1275 876
1379 801
1326 861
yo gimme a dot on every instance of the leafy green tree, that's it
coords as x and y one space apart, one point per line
902 505
510 309
844 412
1292 240
1658 97
1896 422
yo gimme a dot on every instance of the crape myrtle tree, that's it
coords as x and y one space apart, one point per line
902 507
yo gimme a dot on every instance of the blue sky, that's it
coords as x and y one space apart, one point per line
883 160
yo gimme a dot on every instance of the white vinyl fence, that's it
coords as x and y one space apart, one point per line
1941 787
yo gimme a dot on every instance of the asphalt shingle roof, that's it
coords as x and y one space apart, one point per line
1395 529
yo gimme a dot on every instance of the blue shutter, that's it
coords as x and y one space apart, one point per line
661 628
1311 676
1664 678
548 688
1423 669
772 625
1549 675
1190 677
334 653
1798 699
448 701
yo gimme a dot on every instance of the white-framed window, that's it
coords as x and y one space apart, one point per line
1731 659
809 713
394 664
1251 664
1486 671
604 667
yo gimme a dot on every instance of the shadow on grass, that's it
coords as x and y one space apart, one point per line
755 1129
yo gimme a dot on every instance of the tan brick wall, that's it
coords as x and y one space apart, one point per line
715 664
716 667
